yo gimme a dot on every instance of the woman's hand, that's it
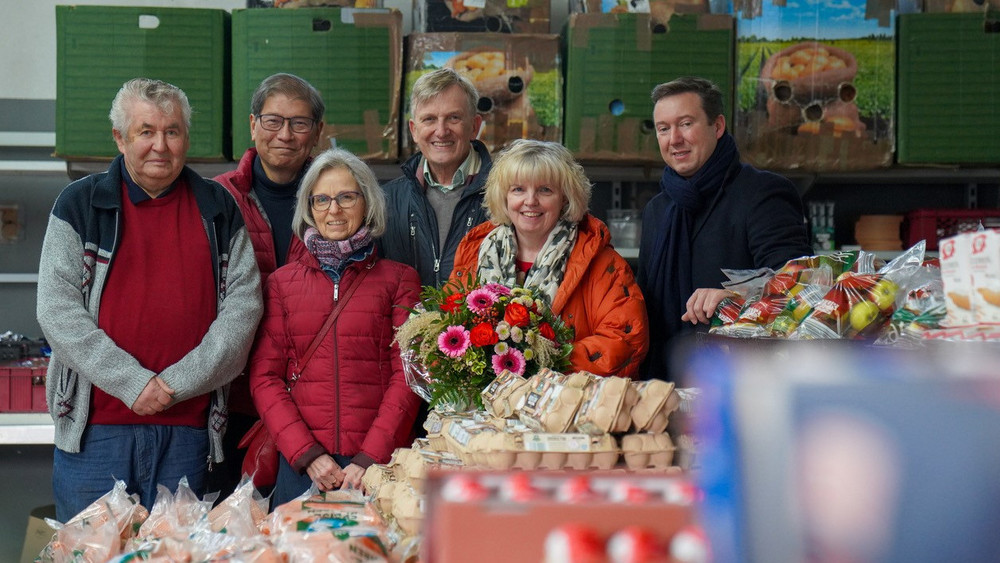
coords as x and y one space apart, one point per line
702 304
352 477
325 473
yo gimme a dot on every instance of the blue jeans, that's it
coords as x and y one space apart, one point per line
143 456
289 485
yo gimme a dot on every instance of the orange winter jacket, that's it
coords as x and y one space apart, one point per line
598 297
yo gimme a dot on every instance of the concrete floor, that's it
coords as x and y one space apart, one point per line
25 483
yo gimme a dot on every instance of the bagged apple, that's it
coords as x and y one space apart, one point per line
860 302
923 309
727 312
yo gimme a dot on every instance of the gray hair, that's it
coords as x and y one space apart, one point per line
433 83
164 96
540 161
292 86
302 218
711 96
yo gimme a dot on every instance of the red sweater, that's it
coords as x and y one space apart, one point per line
159 299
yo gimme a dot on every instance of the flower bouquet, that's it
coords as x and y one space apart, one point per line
461 336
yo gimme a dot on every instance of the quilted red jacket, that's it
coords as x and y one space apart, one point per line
352 398
239 183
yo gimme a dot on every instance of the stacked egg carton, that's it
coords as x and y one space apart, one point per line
550 421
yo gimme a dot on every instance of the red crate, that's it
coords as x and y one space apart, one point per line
22 389
933 225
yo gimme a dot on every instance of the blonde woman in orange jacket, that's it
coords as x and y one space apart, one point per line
540 235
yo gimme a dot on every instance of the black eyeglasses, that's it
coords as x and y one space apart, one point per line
345 200
274 122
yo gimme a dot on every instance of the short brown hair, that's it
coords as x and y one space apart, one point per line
711 96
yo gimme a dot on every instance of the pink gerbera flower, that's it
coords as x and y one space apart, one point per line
454 341
497 289
480 301
511 360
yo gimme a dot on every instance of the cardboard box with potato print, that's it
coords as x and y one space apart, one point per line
658 8
497 16
815 84
518 76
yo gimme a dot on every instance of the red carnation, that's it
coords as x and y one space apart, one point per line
516 315
483 335
452 303
546 330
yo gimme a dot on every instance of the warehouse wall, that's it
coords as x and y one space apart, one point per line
29 177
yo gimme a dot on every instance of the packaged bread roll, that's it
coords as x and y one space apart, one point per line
397 463
383 498
408 509
375 476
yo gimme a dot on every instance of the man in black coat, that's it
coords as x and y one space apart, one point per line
712 212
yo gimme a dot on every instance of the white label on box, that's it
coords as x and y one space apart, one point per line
545 442
956 273
984 262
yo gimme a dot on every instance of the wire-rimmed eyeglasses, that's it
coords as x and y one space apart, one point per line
345 200
274 122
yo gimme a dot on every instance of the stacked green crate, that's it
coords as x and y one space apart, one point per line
613 62
98 48
949 82
353 57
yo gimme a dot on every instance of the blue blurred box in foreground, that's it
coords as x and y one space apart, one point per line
838 452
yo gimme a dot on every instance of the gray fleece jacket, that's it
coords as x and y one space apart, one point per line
82 237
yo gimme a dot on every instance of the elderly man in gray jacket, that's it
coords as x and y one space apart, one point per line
149 294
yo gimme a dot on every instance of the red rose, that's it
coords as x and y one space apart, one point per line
546 330
452 303
516 315
483 335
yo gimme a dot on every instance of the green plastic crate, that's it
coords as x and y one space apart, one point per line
949 82
98 48
614 61
353 57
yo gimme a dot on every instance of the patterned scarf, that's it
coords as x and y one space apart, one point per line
336 253
498 251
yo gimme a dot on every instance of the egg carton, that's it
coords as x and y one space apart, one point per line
527 451
606 406
648 451
657 401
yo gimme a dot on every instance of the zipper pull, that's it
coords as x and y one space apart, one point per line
211 464
336 291
468 224
437 265
413 229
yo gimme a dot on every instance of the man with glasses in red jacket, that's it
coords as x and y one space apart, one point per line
286 119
